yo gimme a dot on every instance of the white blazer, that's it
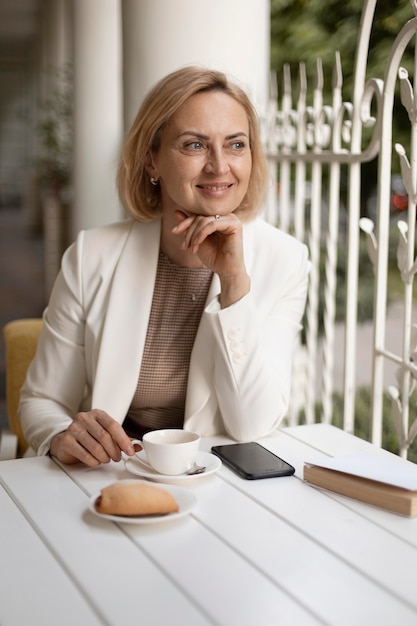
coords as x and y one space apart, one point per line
90 349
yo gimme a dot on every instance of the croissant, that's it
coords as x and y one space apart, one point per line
134 499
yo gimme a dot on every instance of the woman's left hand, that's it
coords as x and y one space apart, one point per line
218 243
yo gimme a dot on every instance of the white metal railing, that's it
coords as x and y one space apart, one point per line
310 147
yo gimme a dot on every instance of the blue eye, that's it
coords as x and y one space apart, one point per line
238 145
195 145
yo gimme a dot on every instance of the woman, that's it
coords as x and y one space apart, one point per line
184 315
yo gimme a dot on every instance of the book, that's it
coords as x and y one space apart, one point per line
388 484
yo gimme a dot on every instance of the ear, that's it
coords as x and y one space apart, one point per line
150 166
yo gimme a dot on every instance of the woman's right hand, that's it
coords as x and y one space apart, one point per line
92 438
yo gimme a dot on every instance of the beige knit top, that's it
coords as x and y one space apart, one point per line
179 297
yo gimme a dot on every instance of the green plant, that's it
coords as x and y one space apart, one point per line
365 283
55 136
365 287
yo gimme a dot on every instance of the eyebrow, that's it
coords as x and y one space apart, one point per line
206 137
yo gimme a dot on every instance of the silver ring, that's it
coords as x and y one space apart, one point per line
217 217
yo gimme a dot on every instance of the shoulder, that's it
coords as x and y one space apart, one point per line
90 264
103 235
98 250
110 239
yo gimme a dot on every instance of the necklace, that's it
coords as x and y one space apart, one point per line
194 283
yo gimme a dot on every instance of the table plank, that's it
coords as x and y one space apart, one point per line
386 559
271 530
266 552
330 441
217 575
278 539
97 554
54 598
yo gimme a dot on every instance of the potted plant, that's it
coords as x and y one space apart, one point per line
54 131
53 165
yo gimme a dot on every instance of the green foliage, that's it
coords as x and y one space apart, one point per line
365 286
304 30
54 130
365 283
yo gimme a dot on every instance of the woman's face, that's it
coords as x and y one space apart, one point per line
204 161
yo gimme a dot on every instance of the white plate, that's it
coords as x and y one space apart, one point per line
141 468
185 499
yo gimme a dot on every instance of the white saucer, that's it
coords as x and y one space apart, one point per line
185 499
135 465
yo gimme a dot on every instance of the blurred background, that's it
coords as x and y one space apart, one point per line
73 73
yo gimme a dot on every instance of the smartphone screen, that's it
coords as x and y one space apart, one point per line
252 461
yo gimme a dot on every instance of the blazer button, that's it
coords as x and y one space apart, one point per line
237 356
233 333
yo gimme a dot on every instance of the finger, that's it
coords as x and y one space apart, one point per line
80 439
209 227
183 222
137 447
186 228
69 450
102 446
116 432
180 215
196 230
99 439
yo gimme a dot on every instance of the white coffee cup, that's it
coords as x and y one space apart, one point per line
170 451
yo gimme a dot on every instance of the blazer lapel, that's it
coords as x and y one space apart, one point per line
126 325
126 322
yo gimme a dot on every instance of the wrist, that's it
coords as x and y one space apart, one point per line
233 289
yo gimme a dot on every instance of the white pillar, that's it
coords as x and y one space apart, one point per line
59 33
160 36
56 44
97 112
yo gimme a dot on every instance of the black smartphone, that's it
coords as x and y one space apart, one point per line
252 461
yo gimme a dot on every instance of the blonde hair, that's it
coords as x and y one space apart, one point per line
139 197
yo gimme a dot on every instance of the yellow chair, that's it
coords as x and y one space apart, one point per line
21 337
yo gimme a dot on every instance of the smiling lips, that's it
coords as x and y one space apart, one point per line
215 187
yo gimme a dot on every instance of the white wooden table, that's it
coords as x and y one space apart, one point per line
267 552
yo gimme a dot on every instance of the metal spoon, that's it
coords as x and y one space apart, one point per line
195 469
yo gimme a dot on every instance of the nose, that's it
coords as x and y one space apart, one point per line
216 162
